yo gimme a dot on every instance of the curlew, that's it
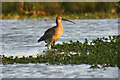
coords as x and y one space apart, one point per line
53 34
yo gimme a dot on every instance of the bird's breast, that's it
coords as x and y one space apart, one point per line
58 33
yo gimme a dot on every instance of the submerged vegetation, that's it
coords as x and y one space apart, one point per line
69 10
101 51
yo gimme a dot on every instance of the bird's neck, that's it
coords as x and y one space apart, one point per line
59 24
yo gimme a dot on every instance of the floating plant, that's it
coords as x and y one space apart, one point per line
102 51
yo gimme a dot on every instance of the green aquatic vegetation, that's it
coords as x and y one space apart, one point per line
102 51
95 66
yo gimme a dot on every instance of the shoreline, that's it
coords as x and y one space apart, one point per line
69 16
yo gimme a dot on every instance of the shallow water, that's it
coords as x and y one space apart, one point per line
20 38
56 71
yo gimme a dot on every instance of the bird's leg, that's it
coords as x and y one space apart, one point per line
53 44
48 43
48 46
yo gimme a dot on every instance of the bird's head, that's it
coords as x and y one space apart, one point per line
59 19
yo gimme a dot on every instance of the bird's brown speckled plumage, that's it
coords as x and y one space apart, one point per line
53 34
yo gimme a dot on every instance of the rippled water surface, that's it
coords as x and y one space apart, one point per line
56 71
20 38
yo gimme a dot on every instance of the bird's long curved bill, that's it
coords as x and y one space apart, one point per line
68 21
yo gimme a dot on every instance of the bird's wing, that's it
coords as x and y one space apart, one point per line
49 33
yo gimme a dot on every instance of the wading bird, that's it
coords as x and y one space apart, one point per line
53 34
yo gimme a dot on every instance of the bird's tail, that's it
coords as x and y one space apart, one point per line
41 39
